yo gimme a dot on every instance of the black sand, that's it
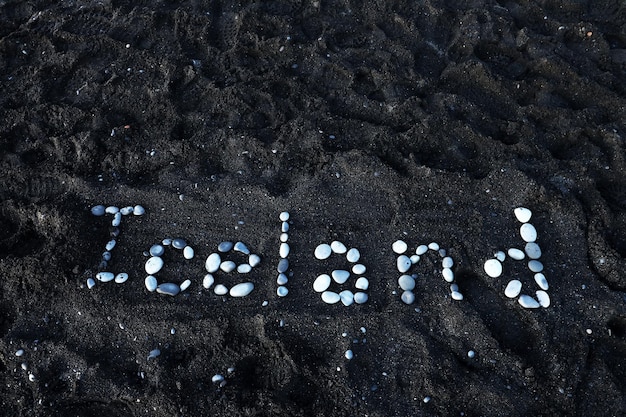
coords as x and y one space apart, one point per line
368 122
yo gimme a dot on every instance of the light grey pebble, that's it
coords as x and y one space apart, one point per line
457 296
244 268
24 366
117 219
330 297
105 276
359 269
172 331
121 278
112 210
254 260
241 247
353 255
228 266
347 297
433 246
208 281
493 268
535 266
127 210
322 251
90 283
454 287
110 245
225 246
168 288
185 284
151 283
282 279
98 210
414 259
220 289
421 249
499 255
154 354
541 280
216 379
403 263
106 256
399 247
284 237
103 264
284 216
213 262
522 214
349 355
408 297
406 282
157 250
362 283
321 283
166 242
544 298
188 252
241 290
447 262
19 352
179 243
338 247
284 227
513 288
360 298
284 250
533 250
448 275
471 354
340 276
283 265
138 210
527 301
516 254
528 232
154 265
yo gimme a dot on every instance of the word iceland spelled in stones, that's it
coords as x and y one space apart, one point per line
217 263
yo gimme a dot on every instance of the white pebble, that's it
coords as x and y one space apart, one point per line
321 283
90 283
185 284
347 297
426 400
322 251
421 249
284 237
516 254
471 354
112 210
105 276
535 266
493 268
359 269
353 255
533 250
217 378
528 232
138 210
121 278
403 263
433 246
362 283
151 283
284 250
154 265
330 297
188 252
157 250
117 219
241 247
414 259
349 355
447 262
208 281
254 260
406 282
284 227
179 243
541 280
166 242
499 255
522 214
98 210
228 266
283 265
457 296
338 247
340 276
360 298
448 275
241 290
282 279
527 301
282 291
399 247
19 352
220 289
408 297
127 210
213 263
513 288
168 288
225 246
154 353
454 287
244 268
544 298
284 216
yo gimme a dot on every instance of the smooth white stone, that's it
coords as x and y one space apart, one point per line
220 289
499 255
522 214
179 243
338 247
188 252
433 246
121 278
442 253
541 280
19 352
154 265
340 276
208 281
138 210
533 250
406 282
254 260
225 246
168 288
284 250
110 245
117 219
106 256
403 263
544 298
360 298
284 216
535 266
421 249
349 355
282 291
359 269
244 268
127 210
284 237
399 247
447 262
151 283
185 284
321 283
157 250
322 251
90 283
362 283
284 227
493 268
241 290
98 210
448 275
454 287
217 378
513 288
241 247
213 263
228 266
282 279
516 254
408 297
353 255
112 210
528 232
414 259
527 301
456 295
283 266
471 354
105 276
347 298
330 297
166 242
